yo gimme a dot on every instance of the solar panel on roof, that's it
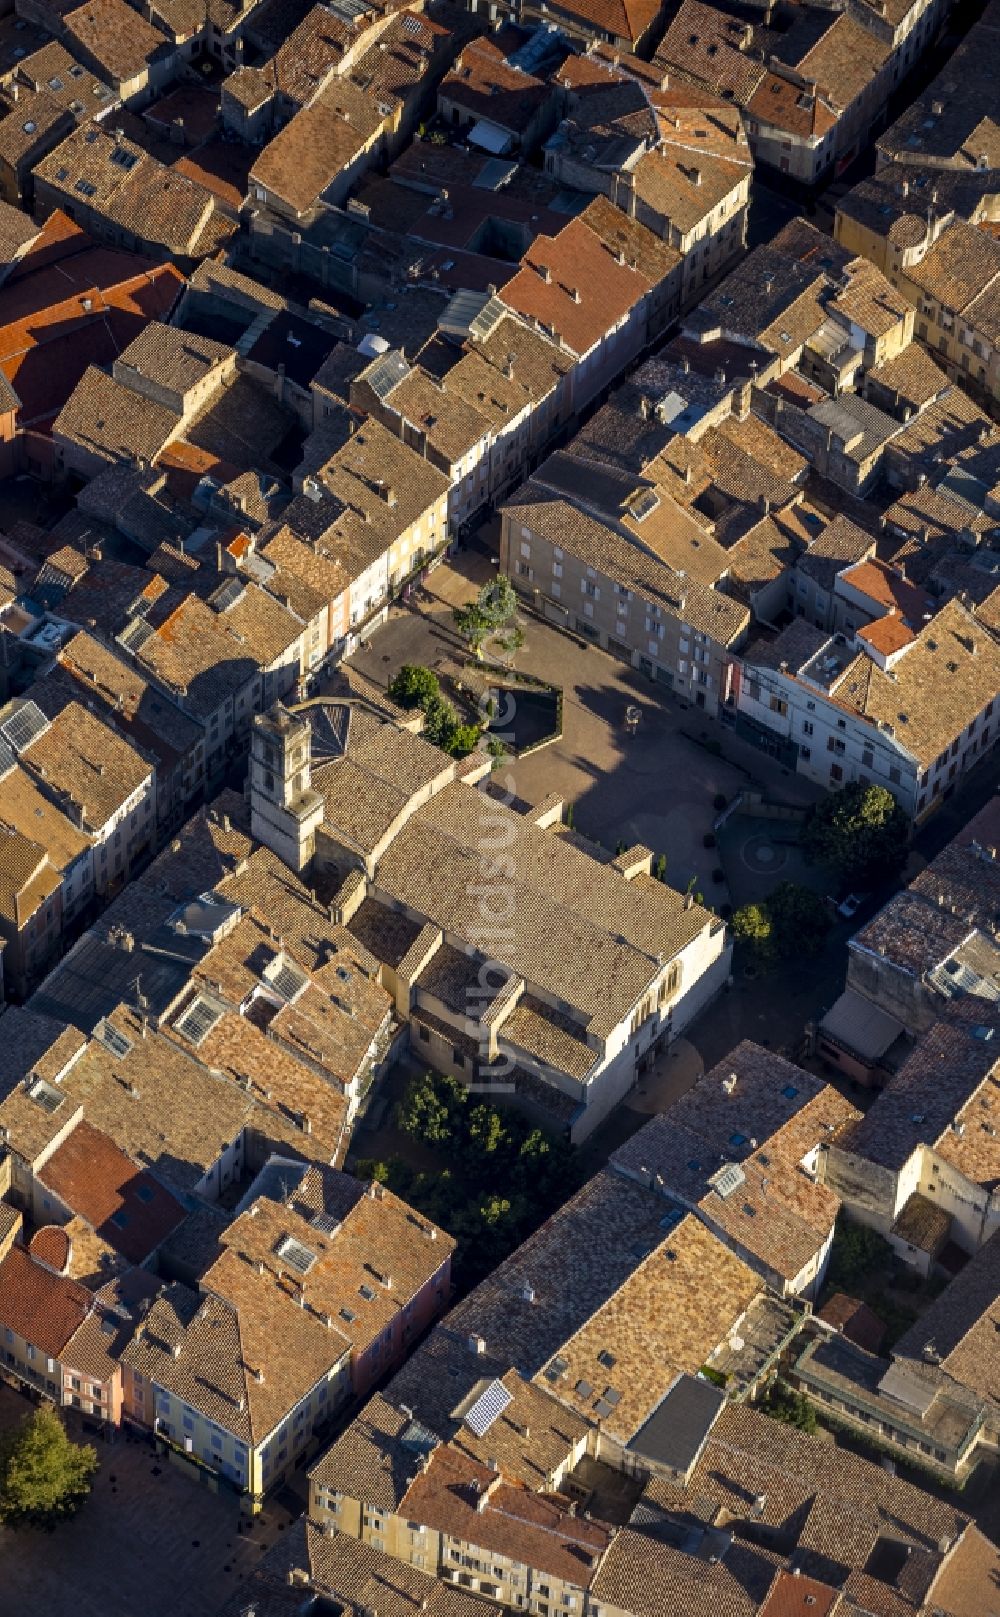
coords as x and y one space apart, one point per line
326 1223
24 726
488 1407
411 25
7 759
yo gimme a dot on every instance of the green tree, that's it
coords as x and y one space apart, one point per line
857 1253
464 739
785 1404
440 722
44 1478
860 832
493 609
660 867
486 1132
800 919
432 1109
413 686
751 925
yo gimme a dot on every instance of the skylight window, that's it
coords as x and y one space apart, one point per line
295 1254
285 977
46 1095
198 1020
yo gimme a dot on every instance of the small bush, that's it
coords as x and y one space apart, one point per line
719 801
708 840
718 874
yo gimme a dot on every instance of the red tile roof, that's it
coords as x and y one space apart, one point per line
126 1206
51 1246
573 284
855 1320
72 304
41 1307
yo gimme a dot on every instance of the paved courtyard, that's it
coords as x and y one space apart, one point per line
149 1540
656 787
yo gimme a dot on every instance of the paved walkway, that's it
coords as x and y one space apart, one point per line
149 1540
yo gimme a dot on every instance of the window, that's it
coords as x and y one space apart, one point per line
778 705
836 773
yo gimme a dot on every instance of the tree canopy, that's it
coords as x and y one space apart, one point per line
44 1478
498 1176
490 613
415 686
792 920
860 832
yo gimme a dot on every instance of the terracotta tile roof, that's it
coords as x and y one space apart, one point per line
967 1581
615 19
767 1122
653 1579
372 1459
175 1118
141 197
107 419
123 1203
111 33
855 1320
456 1495
959 266
887 587
962 1326
83 761
570 285
322 139
837 1511
376 1245
844 61
886 635
51 1246
239 1361
364 1579
17 232
780 103
602 547
685 186
41 1307
482 82
683 1298
614 930
27 879
939 685
707 47
795 1596
944 1073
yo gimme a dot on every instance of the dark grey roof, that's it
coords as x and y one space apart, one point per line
678 1427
